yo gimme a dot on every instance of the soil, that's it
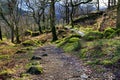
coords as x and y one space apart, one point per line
58 65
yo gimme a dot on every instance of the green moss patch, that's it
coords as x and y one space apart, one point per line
108 32
31 43
71 43
35 70
93 35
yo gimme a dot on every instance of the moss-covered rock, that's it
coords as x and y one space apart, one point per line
93 35
28 43
70 44
35 70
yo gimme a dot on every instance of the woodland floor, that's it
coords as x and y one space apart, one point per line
58 65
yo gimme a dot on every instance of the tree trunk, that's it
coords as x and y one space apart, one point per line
109 4
0 33
71 14
40 29
12 34
67 15
17 35
114 2
52 20
43 20
118 15
98 7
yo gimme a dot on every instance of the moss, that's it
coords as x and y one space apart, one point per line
108 32
114 34
67 39
93 35
28 43
5 74
73 44
35 70
95 62
106 62
24 75
89 38
82 53
74 39
21 51
4 57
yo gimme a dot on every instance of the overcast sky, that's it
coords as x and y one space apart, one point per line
103 3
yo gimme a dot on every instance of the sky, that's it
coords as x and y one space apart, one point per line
103 4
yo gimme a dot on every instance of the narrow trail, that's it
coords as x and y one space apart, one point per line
59 65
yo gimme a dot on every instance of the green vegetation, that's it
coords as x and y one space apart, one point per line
31 43
34 67
108 32
71 43
93 35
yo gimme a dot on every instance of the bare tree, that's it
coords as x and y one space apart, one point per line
11 17
118 14
73 4
52 19
37 7
0 33
98 5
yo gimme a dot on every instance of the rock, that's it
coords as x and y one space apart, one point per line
36 58
20 51
45 55
84 76
35 70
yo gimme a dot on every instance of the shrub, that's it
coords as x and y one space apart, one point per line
93 35
108 32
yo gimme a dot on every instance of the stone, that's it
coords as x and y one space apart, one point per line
35 70
36 58
45 55
84 76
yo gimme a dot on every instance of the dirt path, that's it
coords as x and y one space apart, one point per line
61 66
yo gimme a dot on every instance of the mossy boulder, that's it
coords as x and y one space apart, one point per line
93 35
28 43
72 44
35 70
